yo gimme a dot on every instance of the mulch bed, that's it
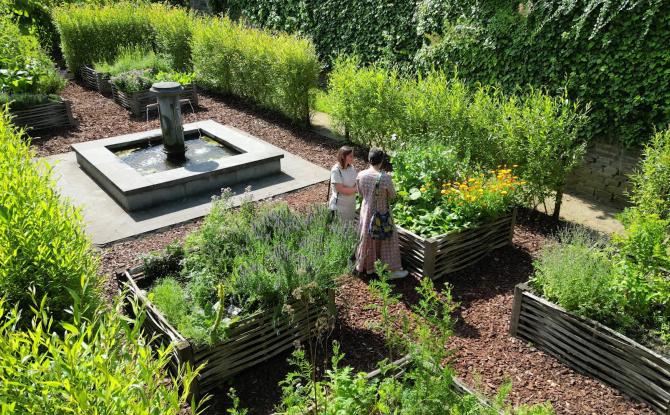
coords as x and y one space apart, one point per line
485 355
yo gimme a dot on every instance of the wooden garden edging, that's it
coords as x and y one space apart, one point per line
43 116
593 349
95 80
251 340
137 102
439 255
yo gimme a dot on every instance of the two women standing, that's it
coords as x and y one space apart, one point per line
378 238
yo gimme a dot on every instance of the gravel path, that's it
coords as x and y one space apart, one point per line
485 354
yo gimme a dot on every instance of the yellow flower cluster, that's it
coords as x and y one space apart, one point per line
502 181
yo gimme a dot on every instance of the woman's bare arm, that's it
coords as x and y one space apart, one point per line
345 190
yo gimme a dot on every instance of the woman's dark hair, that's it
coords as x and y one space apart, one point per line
342 154
376 156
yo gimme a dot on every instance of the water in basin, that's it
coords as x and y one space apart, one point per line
150 158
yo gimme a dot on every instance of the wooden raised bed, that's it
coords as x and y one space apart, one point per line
593 349
137 102
95 80
439 255
251 340
44 116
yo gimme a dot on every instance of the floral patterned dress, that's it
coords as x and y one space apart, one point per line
369 250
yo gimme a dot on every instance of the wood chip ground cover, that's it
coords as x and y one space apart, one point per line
485 355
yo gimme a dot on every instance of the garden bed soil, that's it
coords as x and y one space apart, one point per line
484 353
252 340
40 117
137 102
440 255
592 348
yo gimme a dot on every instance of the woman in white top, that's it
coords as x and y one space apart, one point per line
343 185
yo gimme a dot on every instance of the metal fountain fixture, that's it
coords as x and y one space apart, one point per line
169 109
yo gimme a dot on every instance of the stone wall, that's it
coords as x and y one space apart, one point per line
603 175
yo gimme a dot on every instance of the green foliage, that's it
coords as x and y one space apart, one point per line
97 365
424 386
439 194
538 133
94 33
275 72
651 183
254 258
375 30
42 241
23 101
162 264
24 67
626 284
607 53
133 58
578 274
173 30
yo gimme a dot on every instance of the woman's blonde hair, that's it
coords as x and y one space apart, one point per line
342 154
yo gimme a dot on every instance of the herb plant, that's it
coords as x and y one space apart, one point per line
254 258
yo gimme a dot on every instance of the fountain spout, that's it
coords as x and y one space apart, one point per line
169 109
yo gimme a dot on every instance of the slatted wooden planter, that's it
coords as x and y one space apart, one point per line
593 349
137 102
95 80
251 340
439 255
44 116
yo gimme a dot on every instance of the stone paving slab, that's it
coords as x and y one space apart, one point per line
107 222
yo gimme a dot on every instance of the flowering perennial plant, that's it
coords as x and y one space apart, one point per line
439 205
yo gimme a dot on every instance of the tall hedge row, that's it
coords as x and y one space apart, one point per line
538 133
42 241
275 72
612 54
93 33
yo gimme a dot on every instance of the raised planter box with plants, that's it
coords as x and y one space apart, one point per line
603 307
135 70
449 215
95 80
418 383
30 83
248 285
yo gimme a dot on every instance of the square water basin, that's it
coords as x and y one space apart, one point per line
134 171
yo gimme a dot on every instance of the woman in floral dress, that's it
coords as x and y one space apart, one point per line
369 250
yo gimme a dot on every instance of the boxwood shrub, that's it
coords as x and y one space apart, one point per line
42 241
274 72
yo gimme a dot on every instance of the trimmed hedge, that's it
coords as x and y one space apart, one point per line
173 29
42 241
275 72
488 128
91 33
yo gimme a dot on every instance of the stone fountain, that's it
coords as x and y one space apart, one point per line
146 169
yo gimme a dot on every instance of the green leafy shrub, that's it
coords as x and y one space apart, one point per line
165 263
651 183
94 33
275 72
42 239
605 53
254 258
538 133
97 365
24 67
578 274
133 58
173 30
424 386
